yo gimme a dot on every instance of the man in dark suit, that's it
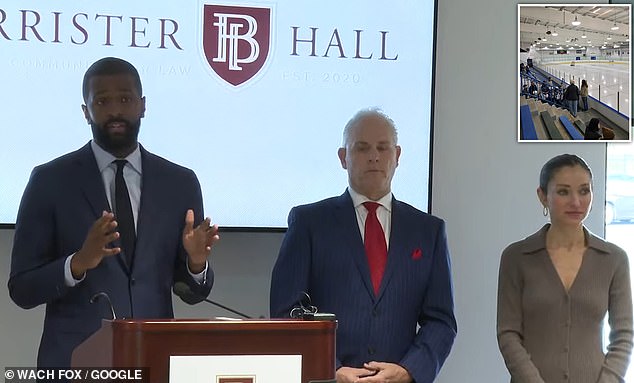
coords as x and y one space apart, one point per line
90 224
379 264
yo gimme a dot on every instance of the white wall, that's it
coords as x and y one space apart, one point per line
483 186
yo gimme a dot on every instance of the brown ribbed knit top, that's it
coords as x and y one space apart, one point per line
547 334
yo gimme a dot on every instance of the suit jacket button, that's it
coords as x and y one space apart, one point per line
371 350
132 281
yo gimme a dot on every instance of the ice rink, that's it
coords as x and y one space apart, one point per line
607 81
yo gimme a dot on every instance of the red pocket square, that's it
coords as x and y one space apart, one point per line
418 253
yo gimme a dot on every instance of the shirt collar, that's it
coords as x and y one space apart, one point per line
358 199
537 241
104 159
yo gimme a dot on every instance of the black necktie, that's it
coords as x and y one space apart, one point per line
123 213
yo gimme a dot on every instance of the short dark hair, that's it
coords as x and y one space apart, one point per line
109 66
554 164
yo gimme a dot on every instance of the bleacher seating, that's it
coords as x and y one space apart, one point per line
581 126
549 123
547 93
570 128
527 128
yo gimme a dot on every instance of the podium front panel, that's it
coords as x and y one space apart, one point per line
150 343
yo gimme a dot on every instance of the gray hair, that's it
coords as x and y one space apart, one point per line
368 112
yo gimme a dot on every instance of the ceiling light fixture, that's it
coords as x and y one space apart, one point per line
576 22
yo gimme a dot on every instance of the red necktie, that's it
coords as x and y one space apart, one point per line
375 246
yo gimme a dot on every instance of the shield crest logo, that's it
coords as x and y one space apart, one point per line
236 40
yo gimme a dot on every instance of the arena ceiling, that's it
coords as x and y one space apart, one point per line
552 26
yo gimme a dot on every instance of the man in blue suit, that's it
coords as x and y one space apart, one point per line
70 246
389 286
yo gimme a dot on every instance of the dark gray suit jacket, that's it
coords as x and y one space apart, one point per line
62 200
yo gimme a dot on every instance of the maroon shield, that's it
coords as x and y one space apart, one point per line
236 40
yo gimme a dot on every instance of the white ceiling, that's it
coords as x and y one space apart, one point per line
596 24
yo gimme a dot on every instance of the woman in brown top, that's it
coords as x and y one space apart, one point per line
583 92
556 286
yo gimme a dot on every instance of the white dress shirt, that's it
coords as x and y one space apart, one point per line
132 175
383 212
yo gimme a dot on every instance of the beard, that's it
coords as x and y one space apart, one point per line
116 142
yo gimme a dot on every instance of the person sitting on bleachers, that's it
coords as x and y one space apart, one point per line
532 89
607 133
545 92
592 130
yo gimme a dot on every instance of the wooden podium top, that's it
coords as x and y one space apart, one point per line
216 324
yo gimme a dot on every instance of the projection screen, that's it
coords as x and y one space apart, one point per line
253 96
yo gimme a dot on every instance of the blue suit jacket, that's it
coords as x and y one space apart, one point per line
323 255
61 202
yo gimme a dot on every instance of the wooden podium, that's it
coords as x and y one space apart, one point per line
150 343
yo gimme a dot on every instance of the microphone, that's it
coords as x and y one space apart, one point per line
97 296
307 311
185 292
